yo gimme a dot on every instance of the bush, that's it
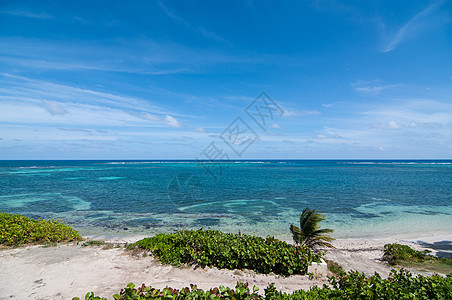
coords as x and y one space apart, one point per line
396 252
93 243
18 230
400 285
241 292
405 256
230 251
335 268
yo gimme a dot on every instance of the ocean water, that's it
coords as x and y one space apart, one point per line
109 198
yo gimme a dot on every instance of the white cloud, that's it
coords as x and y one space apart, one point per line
129 55
31 112
18 87
148 116
27 14
392 125
54 108
276 126
371 87
57 99
394 128
172 121
410 28
241 98
26 101
298 113
418 111
206 33
413 124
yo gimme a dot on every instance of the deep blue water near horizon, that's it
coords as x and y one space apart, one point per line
360 198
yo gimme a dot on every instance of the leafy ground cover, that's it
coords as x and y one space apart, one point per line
230 251
335 268
93 243
17 230
399 285
405 256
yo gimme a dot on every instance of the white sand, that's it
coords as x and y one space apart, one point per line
66 271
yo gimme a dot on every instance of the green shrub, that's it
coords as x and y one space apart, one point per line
396 252
93 243
400 285
18 230
241 292
230 251
405 256
335 268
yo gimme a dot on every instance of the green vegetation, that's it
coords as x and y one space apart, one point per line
309 233
394 253
17 230
335 268
400 285
93 243
230 251
104 245
403 255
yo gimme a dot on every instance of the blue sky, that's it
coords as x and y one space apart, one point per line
165 79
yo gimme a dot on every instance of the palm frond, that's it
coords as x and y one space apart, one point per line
309 233
297 234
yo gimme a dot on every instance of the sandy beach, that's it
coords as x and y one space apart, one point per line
66 271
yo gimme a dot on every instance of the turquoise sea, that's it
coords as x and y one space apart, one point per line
263 197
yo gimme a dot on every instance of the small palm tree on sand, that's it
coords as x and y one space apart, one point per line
309 233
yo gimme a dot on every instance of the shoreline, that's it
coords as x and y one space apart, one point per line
69 270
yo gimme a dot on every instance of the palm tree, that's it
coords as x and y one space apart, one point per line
309 233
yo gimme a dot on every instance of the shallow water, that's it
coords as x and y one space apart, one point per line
359 198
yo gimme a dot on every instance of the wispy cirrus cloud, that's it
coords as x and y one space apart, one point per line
171 121
415 25
145 57
24 100
173 15
39 117
404 127
54 108
290 112
26 14
373 87
407 111
200 30
132 56
391 124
